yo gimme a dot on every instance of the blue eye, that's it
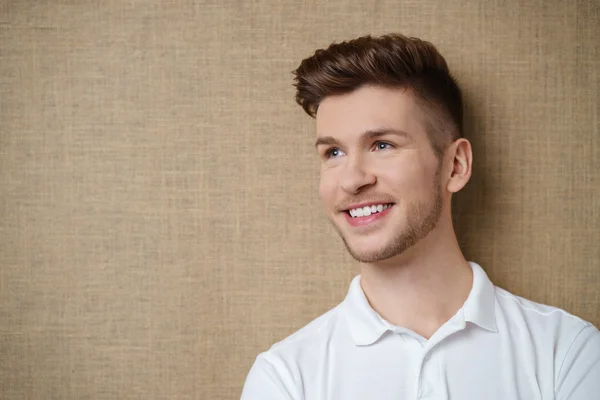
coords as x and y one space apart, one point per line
382 145
333 153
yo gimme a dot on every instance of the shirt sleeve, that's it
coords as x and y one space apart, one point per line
579 375
266 382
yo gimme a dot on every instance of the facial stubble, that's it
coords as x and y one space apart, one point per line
421 220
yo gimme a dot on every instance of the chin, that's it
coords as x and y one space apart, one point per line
370 257
371 252
380 246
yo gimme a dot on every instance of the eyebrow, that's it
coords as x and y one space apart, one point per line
369 134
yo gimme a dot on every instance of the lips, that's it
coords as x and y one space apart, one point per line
365 214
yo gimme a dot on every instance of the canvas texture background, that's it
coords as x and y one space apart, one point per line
159 218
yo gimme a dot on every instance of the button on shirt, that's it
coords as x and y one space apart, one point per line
497 346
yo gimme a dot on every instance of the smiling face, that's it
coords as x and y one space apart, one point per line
380 178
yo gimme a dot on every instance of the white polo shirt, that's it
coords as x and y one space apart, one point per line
497 346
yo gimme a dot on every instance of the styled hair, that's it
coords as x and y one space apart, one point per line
393 61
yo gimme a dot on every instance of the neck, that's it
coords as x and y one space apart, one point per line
422 288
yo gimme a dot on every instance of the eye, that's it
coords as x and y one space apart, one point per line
334 152
382 145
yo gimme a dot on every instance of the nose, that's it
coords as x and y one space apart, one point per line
356 176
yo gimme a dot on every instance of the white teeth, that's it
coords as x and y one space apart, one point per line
368 210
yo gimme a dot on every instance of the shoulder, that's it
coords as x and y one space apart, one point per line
282 367
517 309
569 341
314 334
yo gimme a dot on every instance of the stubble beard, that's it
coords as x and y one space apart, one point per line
422 219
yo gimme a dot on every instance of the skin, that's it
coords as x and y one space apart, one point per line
374 148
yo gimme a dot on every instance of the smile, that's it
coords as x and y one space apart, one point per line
368 210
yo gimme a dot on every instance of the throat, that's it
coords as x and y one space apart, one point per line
419 302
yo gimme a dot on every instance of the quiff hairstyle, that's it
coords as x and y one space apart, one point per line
392 61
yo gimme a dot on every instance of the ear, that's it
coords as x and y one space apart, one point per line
461 159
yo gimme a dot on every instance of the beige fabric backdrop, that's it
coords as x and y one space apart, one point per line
159 218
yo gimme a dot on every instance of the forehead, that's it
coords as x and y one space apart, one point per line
369 108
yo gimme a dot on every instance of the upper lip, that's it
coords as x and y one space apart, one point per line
366 204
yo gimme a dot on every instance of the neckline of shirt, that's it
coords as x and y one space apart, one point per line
367 326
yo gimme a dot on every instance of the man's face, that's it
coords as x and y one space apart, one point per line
380 179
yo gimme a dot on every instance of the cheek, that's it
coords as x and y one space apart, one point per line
406 180
327 187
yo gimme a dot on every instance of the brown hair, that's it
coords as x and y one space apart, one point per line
391 60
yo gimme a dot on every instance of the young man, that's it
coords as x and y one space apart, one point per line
419 321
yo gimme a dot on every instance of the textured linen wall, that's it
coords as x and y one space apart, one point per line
160 224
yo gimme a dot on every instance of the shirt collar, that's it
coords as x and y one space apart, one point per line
479 308
366 326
